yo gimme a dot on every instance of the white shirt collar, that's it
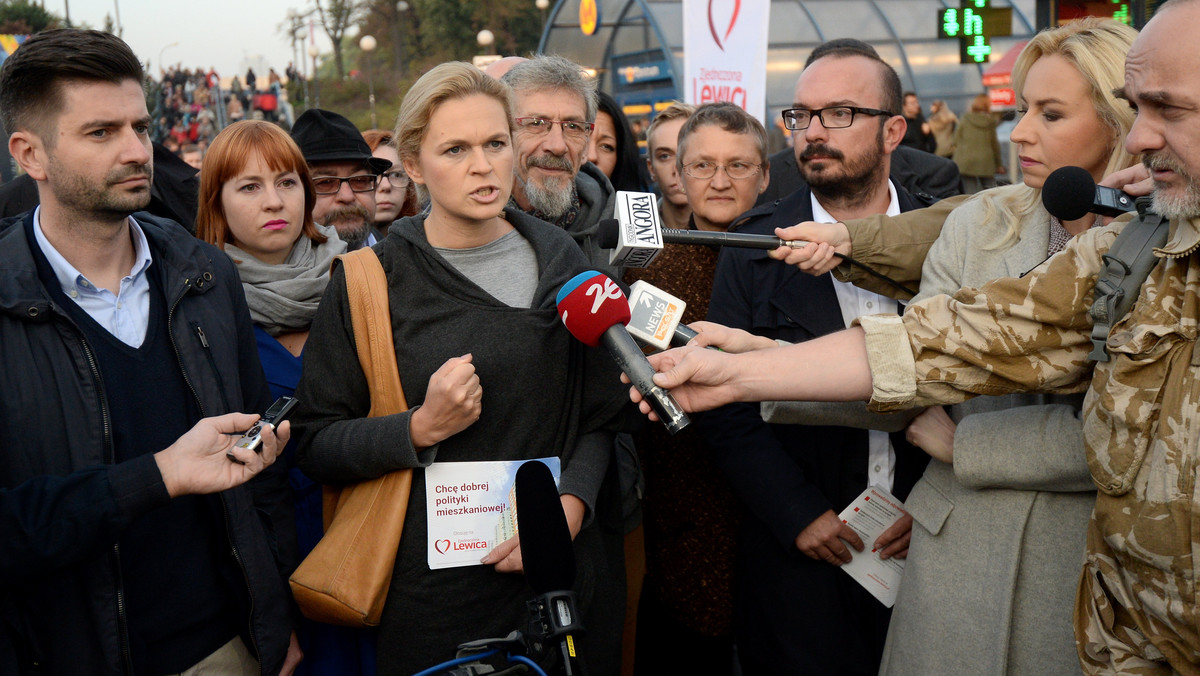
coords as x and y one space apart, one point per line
69 277
820 215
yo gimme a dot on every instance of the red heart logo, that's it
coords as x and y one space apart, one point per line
737 6
442 546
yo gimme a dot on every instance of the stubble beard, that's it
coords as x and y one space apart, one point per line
1181 204
101 200
856 181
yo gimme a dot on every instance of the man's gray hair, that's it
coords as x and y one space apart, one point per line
549 72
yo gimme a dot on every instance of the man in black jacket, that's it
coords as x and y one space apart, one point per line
795 611
131 542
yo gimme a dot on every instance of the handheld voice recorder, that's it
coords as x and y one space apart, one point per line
252 439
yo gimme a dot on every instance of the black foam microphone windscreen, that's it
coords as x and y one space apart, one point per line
1069 193
608 233
546 549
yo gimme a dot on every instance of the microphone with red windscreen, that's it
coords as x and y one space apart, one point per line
595 310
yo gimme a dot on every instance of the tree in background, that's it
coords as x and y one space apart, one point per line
448 30
410 42
337 16
23 17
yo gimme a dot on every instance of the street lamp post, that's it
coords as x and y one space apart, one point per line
486 38
313 52
367 44
398 37
160 54
542 5
300 35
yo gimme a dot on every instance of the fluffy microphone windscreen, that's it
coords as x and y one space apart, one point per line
607 232
589 304
1069 193
546 549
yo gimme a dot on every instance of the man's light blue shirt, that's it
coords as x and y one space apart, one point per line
125 314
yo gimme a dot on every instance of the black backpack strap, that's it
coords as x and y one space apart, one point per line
1126 266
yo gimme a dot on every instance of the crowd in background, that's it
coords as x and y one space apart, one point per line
717 550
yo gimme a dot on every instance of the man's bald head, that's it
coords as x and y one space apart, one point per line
498 69
1162 83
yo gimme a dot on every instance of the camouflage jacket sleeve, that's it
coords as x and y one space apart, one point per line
894 246
1022 334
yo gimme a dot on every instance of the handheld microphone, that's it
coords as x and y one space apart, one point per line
655 317
1070 193
549 561
636 235
594 310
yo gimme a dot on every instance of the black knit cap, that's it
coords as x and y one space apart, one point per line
328 137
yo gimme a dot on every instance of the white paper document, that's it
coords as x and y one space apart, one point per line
871 513
470 508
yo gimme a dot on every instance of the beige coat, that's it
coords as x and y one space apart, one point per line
1003 528
1136 608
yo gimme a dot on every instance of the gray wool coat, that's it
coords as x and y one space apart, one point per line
999 536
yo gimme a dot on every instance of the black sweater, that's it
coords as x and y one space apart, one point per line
544 394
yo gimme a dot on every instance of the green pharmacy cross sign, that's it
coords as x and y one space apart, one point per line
973 23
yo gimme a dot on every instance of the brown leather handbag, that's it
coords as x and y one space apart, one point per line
344 580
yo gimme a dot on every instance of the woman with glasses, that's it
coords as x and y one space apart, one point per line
395 196
688 506
722 159
487 367
255 203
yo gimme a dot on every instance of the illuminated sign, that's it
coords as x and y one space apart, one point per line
1002 98
645 72
972 24
589 16
1070 10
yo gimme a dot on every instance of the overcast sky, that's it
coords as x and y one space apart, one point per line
227 34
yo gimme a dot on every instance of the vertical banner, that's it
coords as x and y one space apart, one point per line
725 52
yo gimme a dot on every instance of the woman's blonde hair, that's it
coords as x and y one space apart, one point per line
228 155
445 82
1097 48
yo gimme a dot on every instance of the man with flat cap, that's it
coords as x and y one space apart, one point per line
344 174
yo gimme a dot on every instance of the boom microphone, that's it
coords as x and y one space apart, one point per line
549 561
594 310
1070 193
636 235
545 539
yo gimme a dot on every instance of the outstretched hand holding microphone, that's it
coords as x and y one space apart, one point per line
595 310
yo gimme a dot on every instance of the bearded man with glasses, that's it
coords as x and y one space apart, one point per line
795 611
555 109
344 174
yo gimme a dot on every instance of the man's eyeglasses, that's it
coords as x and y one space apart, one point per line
397 178
540 126
330 185
834 117
735 170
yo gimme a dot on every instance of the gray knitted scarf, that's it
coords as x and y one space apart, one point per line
284 297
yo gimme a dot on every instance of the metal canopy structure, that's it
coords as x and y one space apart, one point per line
629 33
